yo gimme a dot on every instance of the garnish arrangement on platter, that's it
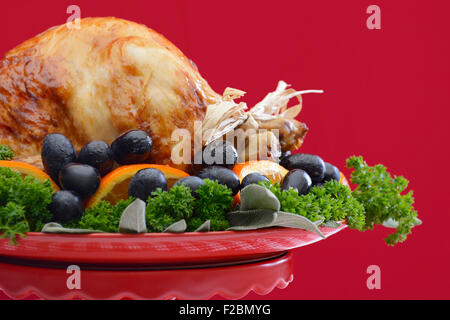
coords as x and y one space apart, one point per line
87 122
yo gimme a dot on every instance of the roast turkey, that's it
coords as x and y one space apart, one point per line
113 75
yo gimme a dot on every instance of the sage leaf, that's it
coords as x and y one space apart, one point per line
255 196
391 223
251 219
133 218
291 220
177 227
53 227
205 227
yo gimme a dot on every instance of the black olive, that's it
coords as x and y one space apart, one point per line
65 206
57 151
297 179
331 173
191 182
99 155
81 178
221 175
284 155
252 178
145 182
220 153
132 147
313 165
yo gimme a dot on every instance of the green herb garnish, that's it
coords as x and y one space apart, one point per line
213 201
167 207
330 202
337 203
27 199
290 201
6 153
382 198
377 198
13 222
103 216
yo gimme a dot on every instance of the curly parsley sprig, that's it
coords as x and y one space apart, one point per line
6 153
213 201
381 195
167 207
23 204
103 216
164 208
330 202
13 222
337 203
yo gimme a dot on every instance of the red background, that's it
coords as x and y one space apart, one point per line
386 98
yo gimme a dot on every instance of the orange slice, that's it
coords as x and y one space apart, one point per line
28 170
270 169
344 180
114 186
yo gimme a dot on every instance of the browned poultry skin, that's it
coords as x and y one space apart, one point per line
291 132
94 83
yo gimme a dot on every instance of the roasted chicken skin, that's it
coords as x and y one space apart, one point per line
96 82
113 75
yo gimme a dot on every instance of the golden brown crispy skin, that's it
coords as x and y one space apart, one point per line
291 132
96 82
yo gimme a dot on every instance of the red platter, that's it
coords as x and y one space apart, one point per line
182 266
